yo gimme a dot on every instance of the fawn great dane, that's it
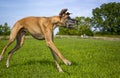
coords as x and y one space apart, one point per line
40 28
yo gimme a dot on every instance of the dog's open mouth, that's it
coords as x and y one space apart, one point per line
71 24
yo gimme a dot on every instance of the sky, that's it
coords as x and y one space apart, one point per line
13 10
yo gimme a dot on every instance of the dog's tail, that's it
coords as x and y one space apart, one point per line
14 31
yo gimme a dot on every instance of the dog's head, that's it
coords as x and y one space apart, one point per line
66 20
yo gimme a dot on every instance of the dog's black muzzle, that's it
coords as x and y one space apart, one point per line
70 23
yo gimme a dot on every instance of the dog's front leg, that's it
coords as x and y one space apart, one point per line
52 46
50 43
56 61
55 57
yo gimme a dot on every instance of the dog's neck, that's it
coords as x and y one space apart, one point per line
56 21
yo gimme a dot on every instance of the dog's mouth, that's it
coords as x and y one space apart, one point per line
71 23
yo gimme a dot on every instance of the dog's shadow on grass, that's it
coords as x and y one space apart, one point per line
42 62
34 62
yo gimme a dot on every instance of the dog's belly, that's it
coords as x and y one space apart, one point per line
38 36
35 31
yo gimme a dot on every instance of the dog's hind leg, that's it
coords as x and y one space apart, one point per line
13 35
19 43
11 39
4 49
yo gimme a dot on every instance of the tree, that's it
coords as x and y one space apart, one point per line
4 29
67 31
107 18
0 29
84 26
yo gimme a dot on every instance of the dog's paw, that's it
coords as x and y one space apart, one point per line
7 64
68 63
59 68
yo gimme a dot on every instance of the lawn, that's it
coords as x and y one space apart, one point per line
90 59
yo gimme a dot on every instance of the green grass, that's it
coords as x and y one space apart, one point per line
90 59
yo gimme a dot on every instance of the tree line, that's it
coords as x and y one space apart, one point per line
105 21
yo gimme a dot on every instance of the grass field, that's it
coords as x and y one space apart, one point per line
90 59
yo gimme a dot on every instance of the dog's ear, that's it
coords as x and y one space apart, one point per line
63 11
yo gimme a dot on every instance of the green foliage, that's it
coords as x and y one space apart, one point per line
66 31
90 59
83 27
4 29
107 18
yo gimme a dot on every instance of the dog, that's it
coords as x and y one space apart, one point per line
40 28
